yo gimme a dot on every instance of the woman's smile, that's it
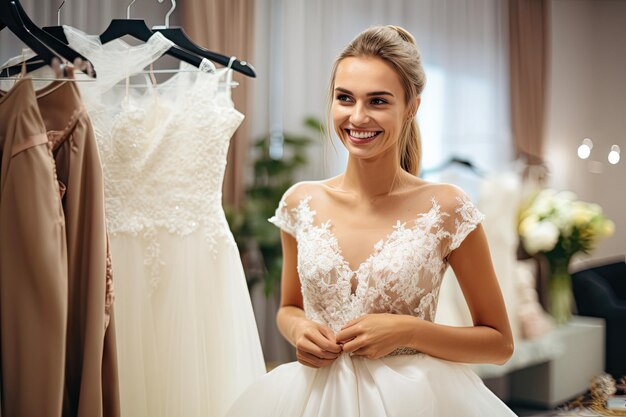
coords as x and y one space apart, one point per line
362 137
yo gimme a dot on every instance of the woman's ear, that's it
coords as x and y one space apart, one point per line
412 108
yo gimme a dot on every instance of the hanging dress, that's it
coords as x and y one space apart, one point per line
91 368
186 335
33 263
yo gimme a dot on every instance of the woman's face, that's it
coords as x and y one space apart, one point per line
368 107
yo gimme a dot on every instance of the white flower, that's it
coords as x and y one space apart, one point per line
565 197
528 223
541 237
543 203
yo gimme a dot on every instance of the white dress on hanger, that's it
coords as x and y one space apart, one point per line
401 276
187 339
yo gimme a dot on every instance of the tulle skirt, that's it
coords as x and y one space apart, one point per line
398 386
187 340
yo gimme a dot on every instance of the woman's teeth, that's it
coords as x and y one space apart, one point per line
362 135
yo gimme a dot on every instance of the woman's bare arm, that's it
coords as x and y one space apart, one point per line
488 341
315 343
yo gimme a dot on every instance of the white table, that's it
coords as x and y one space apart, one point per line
553 369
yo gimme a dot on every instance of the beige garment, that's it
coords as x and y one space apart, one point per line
33 262
91 382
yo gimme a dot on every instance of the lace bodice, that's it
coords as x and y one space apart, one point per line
163 147
401 276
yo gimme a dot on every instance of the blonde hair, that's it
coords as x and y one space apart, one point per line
397 47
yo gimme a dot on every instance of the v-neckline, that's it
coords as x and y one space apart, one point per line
378 247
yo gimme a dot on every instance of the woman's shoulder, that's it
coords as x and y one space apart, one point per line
447 196
302 190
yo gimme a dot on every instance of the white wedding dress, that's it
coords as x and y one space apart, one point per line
186 336
401 276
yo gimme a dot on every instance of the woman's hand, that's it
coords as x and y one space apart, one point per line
373 335
316 345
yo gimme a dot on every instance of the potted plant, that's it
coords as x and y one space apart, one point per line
257 239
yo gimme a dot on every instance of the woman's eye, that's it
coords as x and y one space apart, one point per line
378 101
343 97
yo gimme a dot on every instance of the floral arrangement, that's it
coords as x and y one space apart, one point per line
557 225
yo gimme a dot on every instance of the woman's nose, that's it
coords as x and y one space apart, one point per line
359 115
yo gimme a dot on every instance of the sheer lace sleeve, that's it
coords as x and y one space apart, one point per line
293 213
283 218
286 215
463 219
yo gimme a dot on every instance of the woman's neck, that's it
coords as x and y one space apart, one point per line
372 178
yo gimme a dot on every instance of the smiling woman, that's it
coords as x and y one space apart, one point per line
363 258
399 81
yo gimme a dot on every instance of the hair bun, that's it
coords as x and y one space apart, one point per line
404 34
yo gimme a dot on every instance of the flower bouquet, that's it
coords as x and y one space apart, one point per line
557 225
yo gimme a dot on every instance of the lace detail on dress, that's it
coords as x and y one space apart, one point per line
468 218
283 219
109 296
170 177
207 65
404 351
401 276
163 148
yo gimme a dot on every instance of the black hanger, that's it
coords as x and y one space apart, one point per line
454 160
177 35
180 38
57 31
11 19
138 29
118 28
49 40
44 44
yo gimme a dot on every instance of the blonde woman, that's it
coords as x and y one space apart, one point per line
363 258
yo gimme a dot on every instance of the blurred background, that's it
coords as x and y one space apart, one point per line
521 96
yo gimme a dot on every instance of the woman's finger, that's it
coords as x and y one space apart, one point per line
348 333
328 333
311 347
320 340
312 360
353 322
365 352
354 345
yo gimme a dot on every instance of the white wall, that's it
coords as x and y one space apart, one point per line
587 98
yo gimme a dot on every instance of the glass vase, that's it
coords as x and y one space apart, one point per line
560 291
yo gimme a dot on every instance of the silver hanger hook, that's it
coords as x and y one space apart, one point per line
128 9
169 12
59 13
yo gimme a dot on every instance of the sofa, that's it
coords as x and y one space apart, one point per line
600 291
